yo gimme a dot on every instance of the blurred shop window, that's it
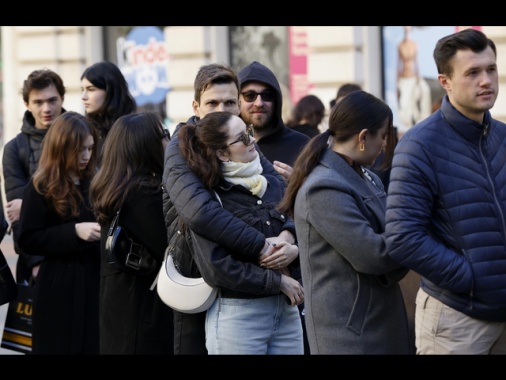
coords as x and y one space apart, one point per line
265 44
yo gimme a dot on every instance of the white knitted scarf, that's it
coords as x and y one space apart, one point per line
247 174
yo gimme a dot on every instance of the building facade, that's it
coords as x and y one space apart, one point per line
306 59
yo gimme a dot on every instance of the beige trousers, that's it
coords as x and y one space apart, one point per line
441 330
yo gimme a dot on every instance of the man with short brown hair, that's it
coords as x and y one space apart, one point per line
43 93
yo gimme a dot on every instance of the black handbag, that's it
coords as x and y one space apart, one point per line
123 253
8 287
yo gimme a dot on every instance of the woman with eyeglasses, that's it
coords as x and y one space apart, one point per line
133 319
256 312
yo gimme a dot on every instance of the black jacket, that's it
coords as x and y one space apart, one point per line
19 161
307 129
185 195
65 307
133 319
236 275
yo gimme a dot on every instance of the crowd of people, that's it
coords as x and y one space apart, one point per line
304 239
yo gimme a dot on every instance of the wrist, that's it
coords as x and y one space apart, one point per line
287 236
265 248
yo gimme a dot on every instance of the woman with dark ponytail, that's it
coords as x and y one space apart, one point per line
353 302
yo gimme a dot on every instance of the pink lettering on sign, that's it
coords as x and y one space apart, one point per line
154 52
298 50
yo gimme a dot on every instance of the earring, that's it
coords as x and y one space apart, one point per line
361 147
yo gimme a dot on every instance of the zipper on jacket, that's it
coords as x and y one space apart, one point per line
491 181
471 292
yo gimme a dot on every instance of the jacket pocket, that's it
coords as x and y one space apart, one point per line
360 305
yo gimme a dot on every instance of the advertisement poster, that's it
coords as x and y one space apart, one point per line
143 58
298 50
410 82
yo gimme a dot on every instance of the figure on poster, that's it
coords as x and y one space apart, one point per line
413 91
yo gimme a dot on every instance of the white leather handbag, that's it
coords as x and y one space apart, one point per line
184 294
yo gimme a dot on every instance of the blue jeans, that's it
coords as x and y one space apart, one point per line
253 326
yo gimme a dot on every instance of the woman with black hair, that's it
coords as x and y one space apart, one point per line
106 97
133 319
353 301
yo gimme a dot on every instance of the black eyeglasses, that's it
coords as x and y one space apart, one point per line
245 137
166 134
251 96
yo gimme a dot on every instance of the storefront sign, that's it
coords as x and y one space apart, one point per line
298 51
143 58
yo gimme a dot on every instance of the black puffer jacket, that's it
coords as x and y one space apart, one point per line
184 194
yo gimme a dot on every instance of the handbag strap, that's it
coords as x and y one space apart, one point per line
167 250
114 223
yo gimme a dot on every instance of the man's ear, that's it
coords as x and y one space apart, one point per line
444 82
195 107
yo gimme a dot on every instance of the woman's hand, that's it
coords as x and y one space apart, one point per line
280 256
88 231
13 209
284 169
292 289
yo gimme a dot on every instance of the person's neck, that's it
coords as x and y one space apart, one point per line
263 131
347 149
476 116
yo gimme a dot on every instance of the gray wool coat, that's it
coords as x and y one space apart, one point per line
353 302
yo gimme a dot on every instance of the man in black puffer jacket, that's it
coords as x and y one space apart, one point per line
43 93
184 196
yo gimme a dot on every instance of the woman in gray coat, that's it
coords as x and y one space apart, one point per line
353 302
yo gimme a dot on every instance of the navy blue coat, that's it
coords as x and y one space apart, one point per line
446 210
